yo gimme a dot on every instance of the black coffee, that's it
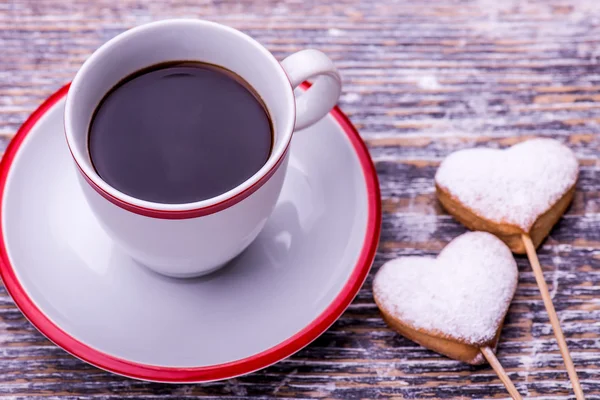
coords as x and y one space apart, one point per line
179 132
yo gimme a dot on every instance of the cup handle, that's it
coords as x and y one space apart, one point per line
322 96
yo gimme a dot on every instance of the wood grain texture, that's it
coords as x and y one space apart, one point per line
421 79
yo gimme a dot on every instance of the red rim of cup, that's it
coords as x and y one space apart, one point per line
193 212
206 373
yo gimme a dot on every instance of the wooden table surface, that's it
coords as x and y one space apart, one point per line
421 79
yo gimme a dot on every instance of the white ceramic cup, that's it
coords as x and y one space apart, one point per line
192 239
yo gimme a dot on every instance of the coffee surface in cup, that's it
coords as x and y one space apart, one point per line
179 132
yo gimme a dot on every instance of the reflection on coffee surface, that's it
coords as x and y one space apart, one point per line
179 132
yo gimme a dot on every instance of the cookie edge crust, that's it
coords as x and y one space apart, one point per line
510 234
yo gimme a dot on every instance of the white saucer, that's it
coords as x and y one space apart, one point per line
293 282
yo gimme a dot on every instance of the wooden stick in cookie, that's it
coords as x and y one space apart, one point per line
454 304
560 337
517 194
493 361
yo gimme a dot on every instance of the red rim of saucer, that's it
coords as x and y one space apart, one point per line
213 372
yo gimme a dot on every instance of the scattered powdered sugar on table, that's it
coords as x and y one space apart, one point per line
464 293
513 186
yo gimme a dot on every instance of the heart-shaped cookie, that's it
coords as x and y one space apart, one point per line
524 189
454 304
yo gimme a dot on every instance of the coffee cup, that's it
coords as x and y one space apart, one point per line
195 238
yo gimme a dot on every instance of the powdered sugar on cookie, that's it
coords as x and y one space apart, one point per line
513 186
464 294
